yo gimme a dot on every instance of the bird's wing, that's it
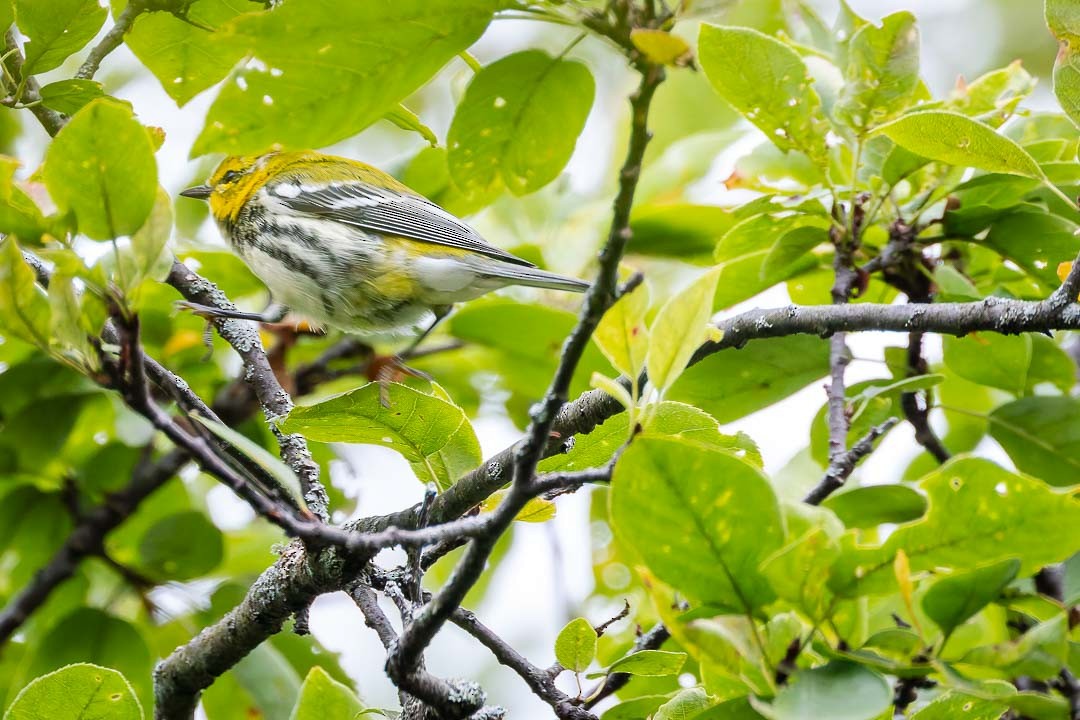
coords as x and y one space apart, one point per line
389 212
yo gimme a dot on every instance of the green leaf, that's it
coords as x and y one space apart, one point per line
182 546
953 704
678 330
954 599
64 317
575 646
958 140
734 383
322 697
431 433
799 572
979 513
518 123
868 507
838 690
1041 652
622 334
90 635
149 257
685 705
635 708
768 83
18 213
667 418
1000 361
1036 240
187 56
1050 364
77 692
993 97
763 250
1041 436
361 60
24 308
701 519
273 466
1064 22
650 663
69 96
56 29
101 167
882 72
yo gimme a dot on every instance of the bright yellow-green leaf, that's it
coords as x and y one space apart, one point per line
101 167
149 257
979 513
622 334
24 308
322 698
328 70
575 646
1064 20
406 119
725 512
612 388
431 433
77 692
882 71
518 124
187 56
69 96
19 214
56 29
679 330
273 466
958 140
768 83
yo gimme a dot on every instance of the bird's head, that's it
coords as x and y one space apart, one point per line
235 180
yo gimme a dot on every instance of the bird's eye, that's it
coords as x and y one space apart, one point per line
229 176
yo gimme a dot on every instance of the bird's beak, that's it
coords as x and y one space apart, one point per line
199 192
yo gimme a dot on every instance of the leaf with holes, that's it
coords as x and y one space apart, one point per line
958 140
356 62
979 513
768 83
518 124
77 692
882 72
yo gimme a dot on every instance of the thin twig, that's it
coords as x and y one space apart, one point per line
111 40
842 465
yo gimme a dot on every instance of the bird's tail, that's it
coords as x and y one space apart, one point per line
535 277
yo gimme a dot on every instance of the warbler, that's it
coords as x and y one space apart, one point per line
347 246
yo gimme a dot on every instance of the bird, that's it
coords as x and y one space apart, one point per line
345 245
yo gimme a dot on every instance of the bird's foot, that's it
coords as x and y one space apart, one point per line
387 369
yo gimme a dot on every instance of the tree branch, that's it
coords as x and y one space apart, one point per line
276 403
112 39
600 296
539 681
652 640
